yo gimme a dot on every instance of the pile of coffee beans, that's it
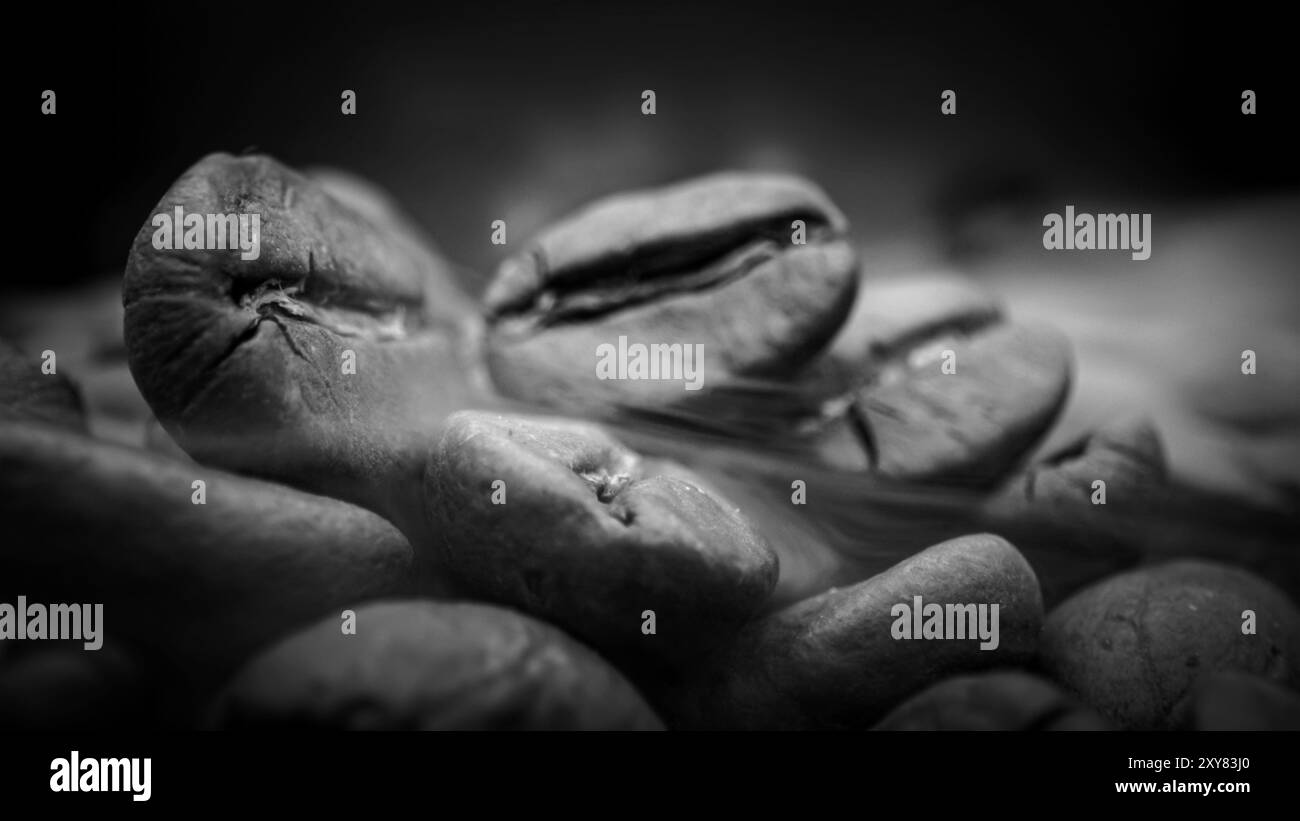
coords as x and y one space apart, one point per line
682 466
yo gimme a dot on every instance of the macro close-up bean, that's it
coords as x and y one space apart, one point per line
927 374
338 424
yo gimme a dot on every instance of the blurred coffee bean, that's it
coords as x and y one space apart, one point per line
422 665
1003 700
1237 701
83 327
1126 454
1051 510
27 394
715 262
201 585
833 661
325 362
1133 645
562 521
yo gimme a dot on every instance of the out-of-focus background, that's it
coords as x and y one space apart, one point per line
490 110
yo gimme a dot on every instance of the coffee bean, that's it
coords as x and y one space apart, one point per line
1050 509
1133 645
562 521
28 395
831 661
970 425
1003 700
709 262
422 665
199 585
245 361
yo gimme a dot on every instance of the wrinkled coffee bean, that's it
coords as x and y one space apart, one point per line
832 661
1237 701
28 395
246 361
1133 645
711 261
422 665
202 585
1003 700
562 521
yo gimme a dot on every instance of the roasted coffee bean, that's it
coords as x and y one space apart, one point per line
834 661
326 362
201 585
1053 512
1003 700
1133 645
562 521
1238 701
944 389
29 395
423 665
713 262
